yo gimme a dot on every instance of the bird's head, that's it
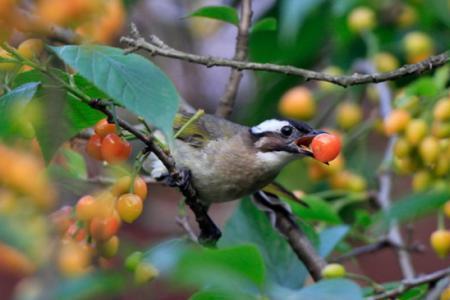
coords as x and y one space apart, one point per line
280 141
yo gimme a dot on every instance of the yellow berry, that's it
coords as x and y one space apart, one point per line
145 272
396 121
421 180
348 115
440 241
441 110
429 150
31 48
361 19
333 271
416 131
385 62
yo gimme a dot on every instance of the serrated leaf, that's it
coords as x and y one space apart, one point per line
266 24
12 107
223 13
249 225
130 80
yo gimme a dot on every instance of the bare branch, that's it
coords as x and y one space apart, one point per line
411 283
226 103
156 47
183 222
370 248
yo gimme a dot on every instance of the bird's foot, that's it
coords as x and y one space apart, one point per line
209 238
182 179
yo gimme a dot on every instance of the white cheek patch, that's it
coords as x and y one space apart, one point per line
272 125
276 159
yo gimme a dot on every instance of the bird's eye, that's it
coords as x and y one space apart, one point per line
286 130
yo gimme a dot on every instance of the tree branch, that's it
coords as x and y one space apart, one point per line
226 103
408 284
370 248
157 47
209 231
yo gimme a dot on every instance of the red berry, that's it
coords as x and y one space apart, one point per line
103 128
115 149
326 147
102 229
94 146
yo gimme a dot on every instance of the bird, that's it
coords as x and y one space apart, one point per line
228 161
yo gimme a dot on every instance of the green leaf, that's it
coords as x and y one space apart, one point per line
266 24
74 164
415 205
330 238
318 210
224 268
223 13
130 80
211 294
79 115
330 289
12 107
249 225
90 286
441 77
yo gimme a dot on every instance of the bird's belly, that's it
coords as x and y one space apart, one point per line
223 176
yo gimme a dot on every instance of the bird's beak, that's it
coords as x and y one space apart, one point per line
304 142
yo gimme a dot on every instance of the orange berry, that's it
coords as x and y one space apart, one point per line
440 241
396 121
14 262
348 115
103 128
326 147
104 228
31 48
122 186
114 149
297 103
129 207
86 208
94 147
73 259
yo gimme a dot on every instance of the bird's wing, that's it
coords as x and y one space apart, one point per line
204 129
277 189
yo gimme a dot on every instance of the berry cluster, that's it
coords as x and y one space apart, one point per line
421 149
106 145
89 230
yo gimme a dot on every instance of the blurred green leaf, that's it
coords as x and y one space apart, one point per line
293 13
165 256
441 77
441 9
222 295
330 237
266 24
414 293
329 289
74 164
416 205
318 210
12 108
79 115
90 286
130 80
249 225
27 77
223 13
227 268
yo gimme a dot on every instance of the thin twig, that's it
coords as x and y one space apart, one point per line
378 245
226 103
183 222
385 178
411 283
156 47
